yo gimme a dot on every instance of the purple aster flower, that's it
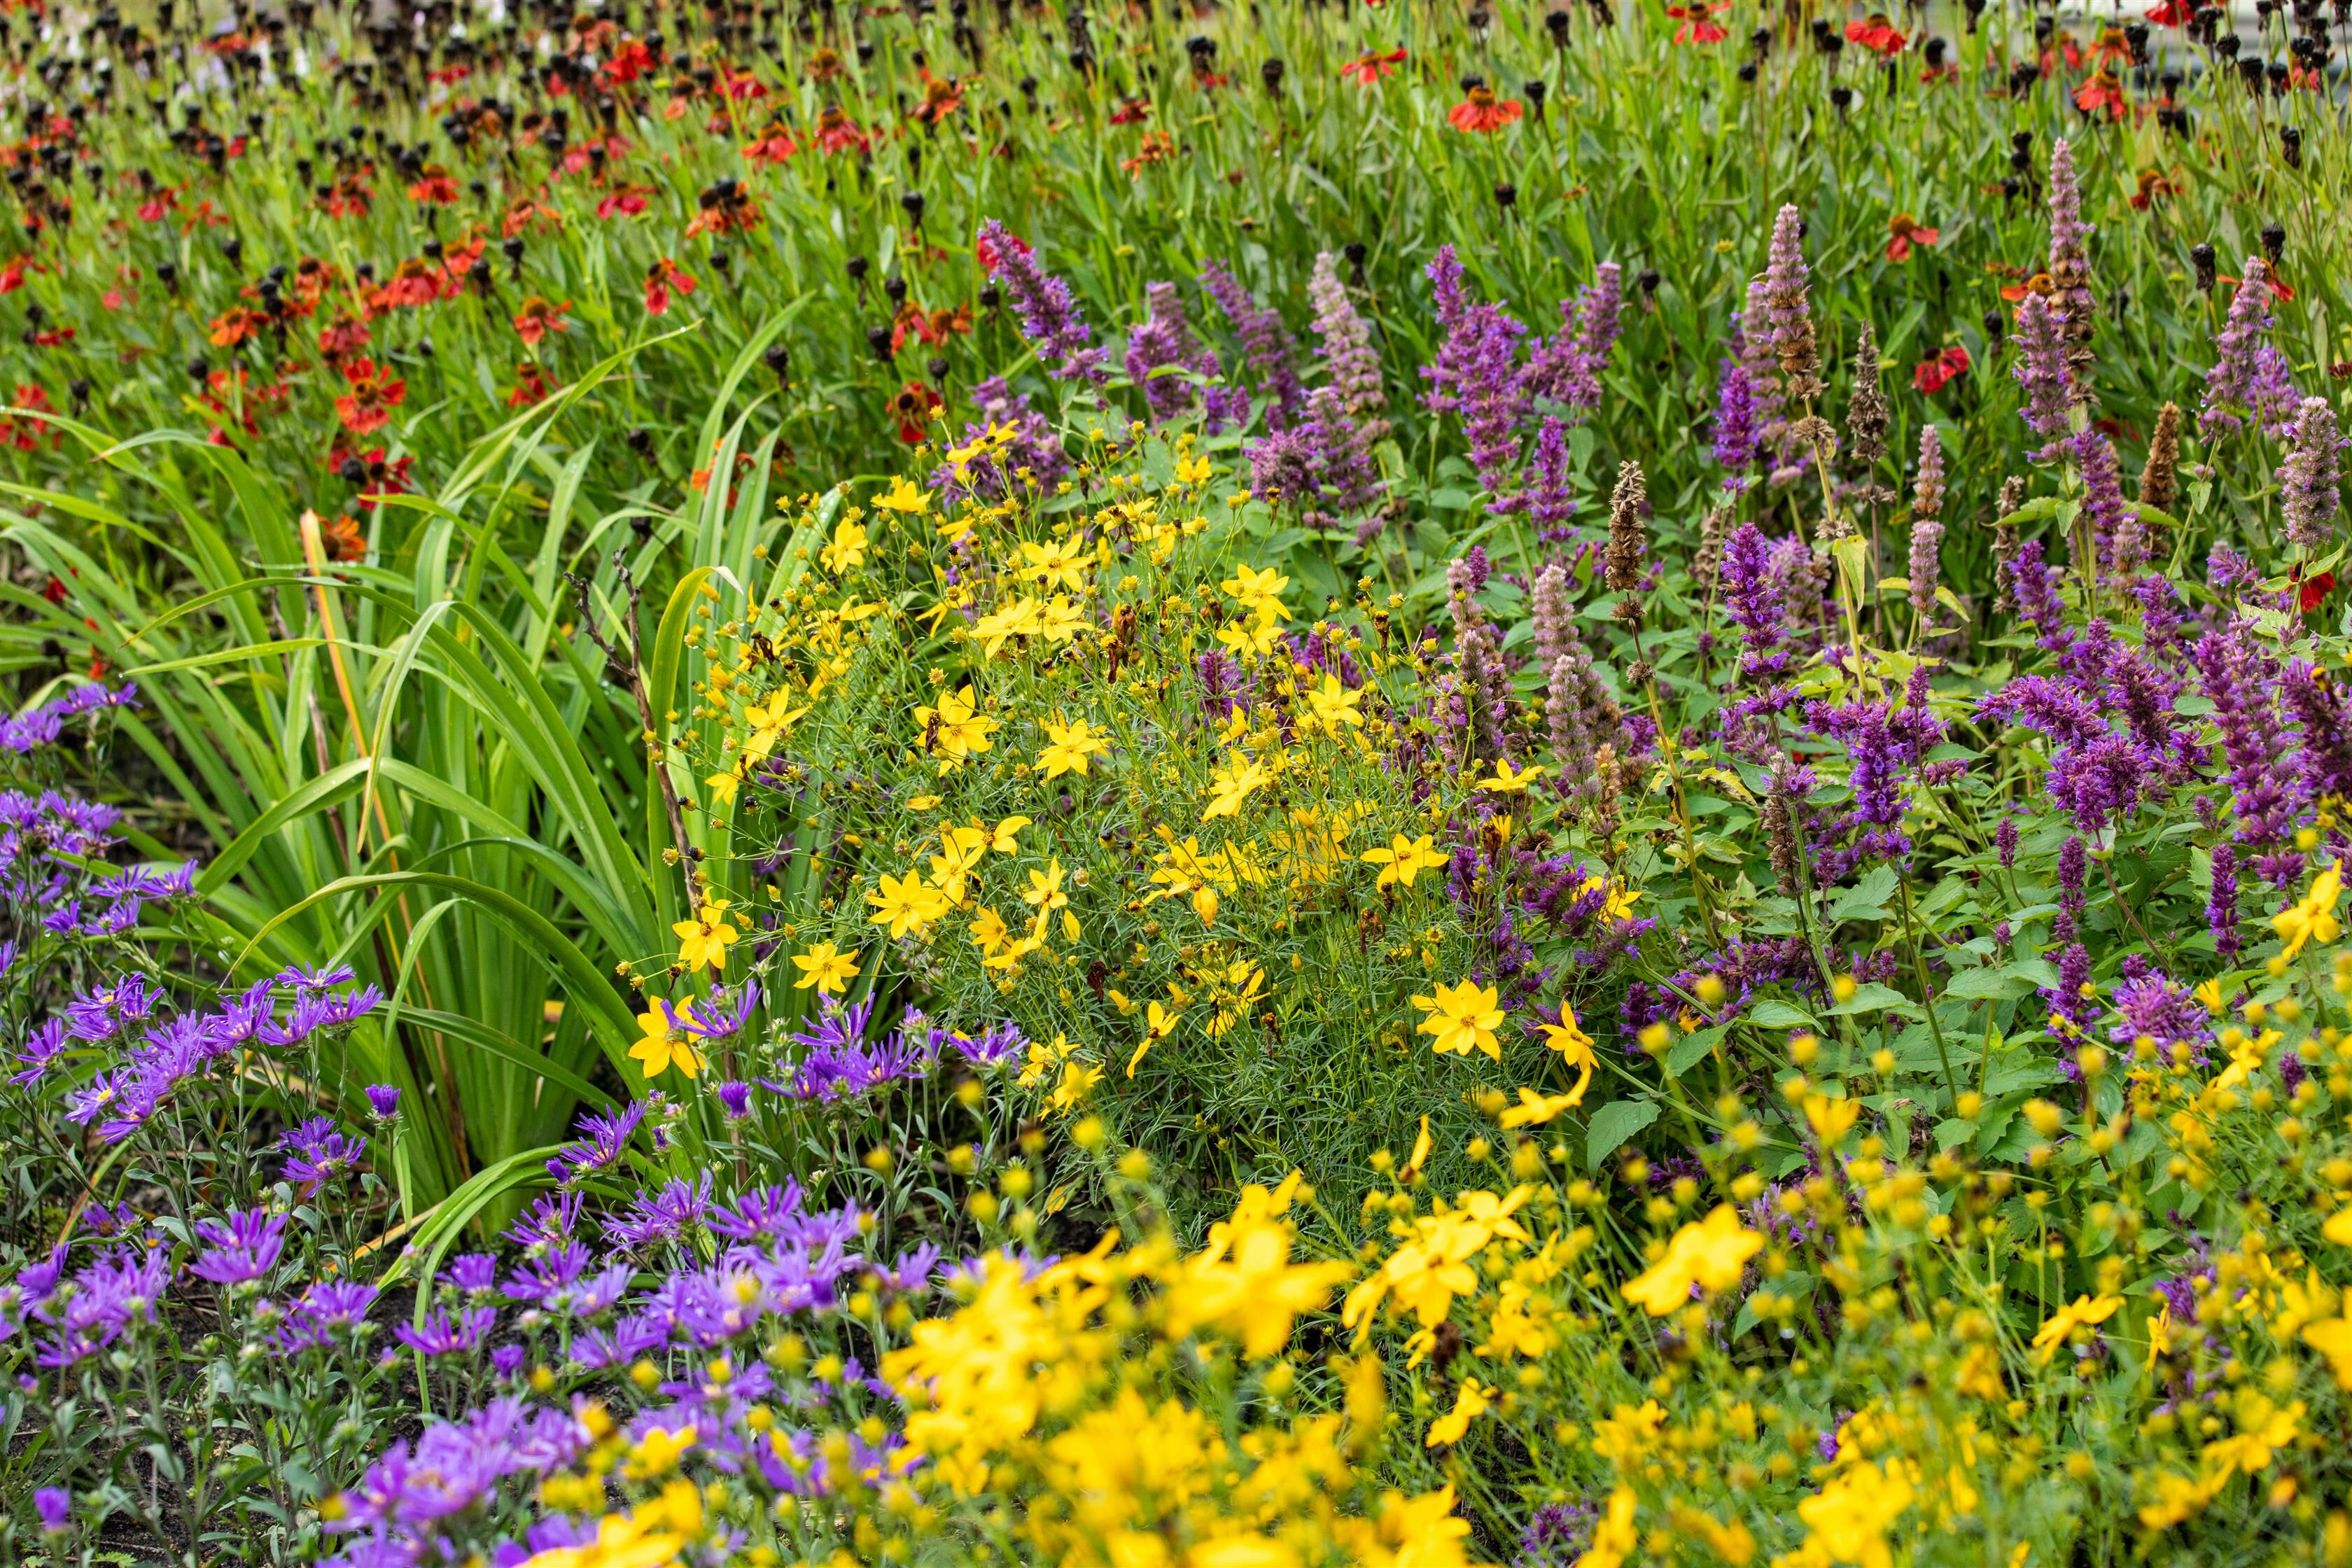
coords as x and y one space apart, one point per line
55 1507
384 1101
326 1312
734 1099
472 1273
319 1151
602 1142
760 1211
442 1334
43 1047
244 1246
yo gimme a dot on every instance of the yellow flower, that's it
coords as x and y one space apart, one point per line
1615 1540
658 1452
723 786
906 497
1507 782
664 1047
1569 1038
1059 564
1850 1515
1255 636
1159 1023
826 967
2082 1312
2338 1228
1194 470
1232 785
1045 890
1630 1435
2209 991
989 932
703 942
906 903
846 551
2332 1337
1617 906
956 730
1068 745
1255 588
1534 1110
1831 1119
1710 1254
1403 859
1335 707
1004 838
622 1541
2313 920
1464 1018
1468 1405
767 725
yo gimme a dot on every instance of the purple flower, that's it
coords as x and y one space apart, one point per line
1049 313
679 1205
2113 527
319 1151
1033 447
2229 386
1734 448
1786 317
2222 903
2076 309
1927 523
1549 505
43 1047
244 1246
760 1211
2306 479
2324 714
734 1099
1267 343
1164 343
2243 683
326 1312
474 1273
384 1101
2152 1005
54 1506
602 1142
1477 375
1567 368
441 1335
1753 598
2041 369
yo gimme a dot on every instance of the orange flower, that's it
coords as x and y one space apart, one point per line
368 405
538 318
2152 184
943 97
912 408
2102 92
836 132
1905 231
436 188
1131 111
531 387
1367 68
1157 147
661 277
1482 111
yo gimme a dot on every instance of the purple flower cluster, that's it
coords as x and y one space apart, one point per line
37 727
1267 347
1049 312
1567 368
1163 357
1887 743
1477 376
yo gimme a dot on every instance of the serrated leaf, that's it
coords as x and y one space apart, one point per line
1989 985
1776 1015
1690 1049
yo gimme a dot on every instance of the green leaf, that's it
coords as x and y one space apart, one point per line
1989 985
1771 1014
1866 899
1691 1047
1871 998
1611 1125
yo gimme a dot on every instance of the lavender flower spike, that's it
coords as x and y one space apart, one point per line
1927 523
1049 313
2230 385
1787 304
2042 368
2070 267
2307 490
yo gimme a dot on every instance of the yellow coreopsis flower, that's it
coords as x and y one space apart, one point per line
1464 1018
1004 838
1849 1517
1044 890
826 967
1068 745
1569 1038
1508 781
905 498
1534 1110
1709 1254
623 1540
664 1046
956 728
1336 708
2081 1313
658 1452
1452 1426
1831 1119
1060 564
2314 918
767 723
1615 1538
703 942
906 903
1255 635
847 550
1404 860
1232 785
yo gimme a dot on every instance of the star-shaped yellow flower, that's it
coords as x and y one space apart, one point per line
703 942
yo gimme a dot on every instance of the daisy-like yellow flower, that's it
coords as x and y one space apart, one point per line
1534 1110
1044 890
1234 783
1505 781
2314 918
1404 860
1068 745
703 942
826 967
1334 706
956 728
2083 1312
1710 1254
906 497
1060 564
1256 589
1569 1038
1464 1018
1004 838
665 1045
847 550
906 903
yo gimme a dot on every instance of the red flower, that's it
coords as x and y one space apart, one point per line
1131 111
343 336
661 277
2172 14
234 325
942 98
531 387
437 189
538 318
2314 591
377 479
986 254
414 282
1877 35
2278 289
774 145
628 62
836 132
931 328
12 276
342 539
1482 111
1933 375
2152 184
1695 28
1904 232
368 407
912 408
2102 92
1367 68
630 200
